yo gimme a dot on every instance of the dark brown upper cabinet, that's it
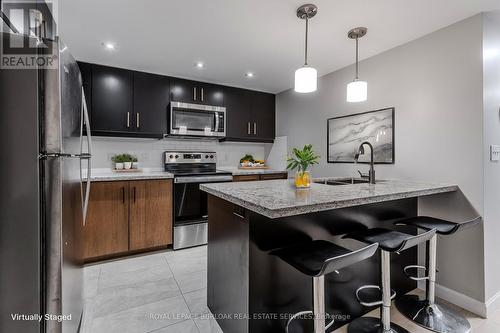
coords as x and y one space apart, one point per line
238 113
112 99
263 116
250 115
188 91
151 101
136 104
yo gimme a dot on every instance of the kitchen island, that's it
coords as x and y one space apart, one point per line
250 290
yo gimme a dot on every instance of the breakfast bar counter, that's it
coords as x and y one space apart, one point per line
279 198
250 290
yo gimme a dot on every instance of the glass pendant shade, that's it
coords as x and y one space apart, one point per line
357 91
306 79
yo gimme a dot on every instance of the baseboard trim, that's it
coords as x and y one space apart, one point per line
465 302
493 304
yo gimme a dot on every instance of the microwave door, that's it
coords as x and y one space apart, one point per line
197 120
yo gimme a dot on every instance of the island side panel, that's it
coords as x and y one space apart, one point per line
276 289
228 263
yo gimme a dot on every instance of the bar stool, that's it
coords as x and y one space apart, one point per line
428 313
316 259
389 241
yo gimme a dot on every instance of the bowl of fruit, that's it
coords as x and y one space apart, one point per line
248 162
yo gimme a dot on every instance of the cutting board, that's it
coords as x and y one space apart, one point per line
127 170
253 167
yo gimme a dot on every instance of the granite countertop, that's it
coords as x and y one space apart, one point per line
238 172
105 175
279 198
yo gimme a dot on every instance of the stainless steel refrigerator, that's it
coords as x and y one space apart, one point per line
43 199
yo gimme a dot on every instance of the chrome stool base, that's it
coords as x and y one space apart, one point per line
301 313
437 317
372 325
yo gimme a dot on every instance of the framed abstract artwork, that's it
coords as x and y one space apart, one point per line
346 133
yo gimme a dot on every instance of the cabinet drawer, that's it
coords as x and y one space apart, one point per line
245 178
274 176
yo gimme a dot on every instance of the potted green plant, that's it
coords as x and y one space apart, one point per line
135 162
118 160
127 161
301 160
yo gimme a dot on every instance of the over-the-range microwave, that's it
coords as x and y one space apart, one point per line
188 119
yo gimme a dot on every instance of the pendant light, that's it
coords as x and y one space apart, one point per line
357 90
306 77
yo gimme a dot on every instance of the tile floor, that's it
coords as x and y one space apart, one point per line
165 292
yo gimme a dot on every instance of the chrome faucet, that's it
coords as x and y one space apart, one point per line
361 150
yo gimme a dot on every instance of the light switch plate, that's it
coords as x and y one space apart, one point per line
494 153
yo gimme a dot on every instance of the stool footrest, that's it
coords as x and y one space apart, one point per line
301 313
374 303
415 277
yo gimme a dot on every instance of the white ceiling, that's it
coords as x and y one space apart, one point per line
235 36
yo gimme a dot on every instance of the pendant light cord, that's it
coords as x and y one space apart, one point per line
357 78
307 32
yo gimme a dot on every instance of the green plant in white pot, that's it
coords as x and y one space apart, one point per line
135 162
118 161
127 161
301 161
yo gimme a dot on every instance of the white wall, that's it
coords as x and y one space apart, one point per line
491 70
149 151
435 84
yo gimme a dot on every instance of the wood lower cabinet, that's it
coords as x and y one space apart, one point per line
106 228
127 216
267 176
271 176
150 223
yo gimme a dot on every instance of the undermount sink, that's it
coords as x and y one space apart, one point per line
344 181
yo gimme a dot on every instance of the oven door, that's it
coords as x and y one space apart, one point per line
191 211
197 120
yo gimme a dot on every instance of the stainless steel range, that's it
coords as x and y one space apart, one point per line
191 169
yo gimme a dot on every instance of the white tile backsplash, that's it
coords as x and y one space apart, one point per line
149 151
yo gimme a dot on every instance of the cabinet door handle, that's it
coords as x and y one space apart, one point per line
254 128
194 93
128 119
123 195
134 194
202 94
248 128
138 120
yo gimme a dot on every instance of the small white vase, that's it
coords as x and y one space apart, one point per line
127 165
135 165
118 166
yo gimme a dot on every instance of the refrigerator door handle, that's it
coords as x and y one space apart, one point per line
85 156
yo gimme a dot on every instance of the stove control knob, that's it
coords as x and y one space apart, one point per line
206 156
171 156
211 156
176 156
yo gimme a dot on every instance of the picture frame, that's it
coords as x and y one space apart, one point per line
346 133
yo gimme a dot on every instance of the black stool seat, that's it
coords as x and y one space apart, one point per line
442 227
320 257
388 240
310 257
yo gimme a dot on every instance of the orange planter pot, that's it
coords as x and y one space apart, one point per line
302 179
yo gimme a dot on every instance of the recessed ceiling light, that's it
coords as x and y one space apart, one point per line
108 46
249 74
199 65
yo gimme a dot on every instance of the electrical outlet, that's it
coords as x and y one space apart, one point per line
494 153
